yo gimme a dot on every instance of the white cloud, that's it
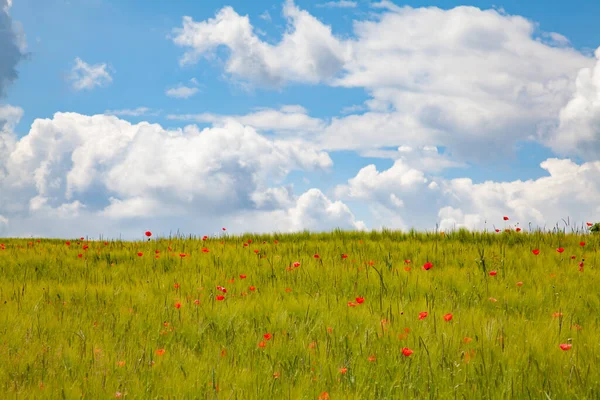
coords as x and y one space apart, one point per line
288 119
578 130
403 197
86 76
308 51
481 79
12 46
181 92
339 4
135 112
265 16
104 172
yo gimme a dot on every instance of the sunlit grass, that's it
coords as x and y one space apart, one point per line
105 325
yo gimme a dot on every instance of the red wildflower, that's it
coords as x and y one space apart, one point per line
344 256
372 358
316 256
589 224
204 237
177 305
493 273
275 241
262 344
224 229
245 244
351 304
182 255
467 340
68 243
536 252
160 352
140 254
519 283
267 336
406 351
249 241
176 286
573 257
197 301
205 250
582 244
79 255
566 346
242 276
406 261
252 288
497 230
427 266
448 317
148 233
343 370
222 289
423 315
506 218
560 249
296 264
518 229
360 300
256 251
219 298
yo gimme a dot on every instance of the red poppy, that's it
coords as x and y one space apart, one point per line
497 230
344 256
427 266
245 244
406 261
148 233
566 346
573 257
82 239
85 247
79 255
582 244
256 251
506 218
242 276
224 229
267 336
160 352
406 351
536 252
519 283
560 249
262 344
252 288
360 300
219 298
352 304
296 264
68 243
372 358
518 229
316 256
222 289
140 254
343 370
589 224
493 273
275 241
205 250
177 305
182 255
176 286
467 340
423 315
448 317
249 241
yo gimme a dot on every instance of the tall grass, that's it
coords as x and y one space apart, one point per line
106 325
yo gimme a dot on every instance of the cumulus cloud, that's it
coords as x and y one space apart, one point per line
308 51
404 197
481 80
578 130
86 77
181 92
12 43
287 119
104 169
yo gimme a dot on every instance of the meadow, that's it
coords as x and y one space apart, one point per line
340 315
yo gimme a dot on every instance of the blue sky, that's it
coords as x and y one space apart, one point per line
478 131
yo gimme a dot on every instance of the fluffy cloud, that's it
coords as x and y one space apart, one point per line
86 77
106 170
339 4
404 197
136 112
308 51
578 130
481 80
11 46
288 119
181 92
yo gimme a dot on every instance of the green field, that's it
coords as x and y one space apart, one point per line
115 323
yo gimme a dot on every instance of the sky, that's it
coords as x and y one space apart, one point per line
118 117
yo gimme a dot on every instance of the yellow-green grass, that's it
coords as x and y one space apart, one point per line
91 326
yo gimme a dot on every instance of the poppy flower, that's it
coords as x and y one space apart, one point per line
245 244
589 224
85 247
573 257
360 300
427 266
560 250
148 233
493 273
493 300
242 276
178 305
262 344
506 218
497 230
467 340
518 229
182 255
343 370
448 317
176 286
406 261
249 241
68 243
372 358
205 250
160 352
267 336
519 283
256 251
536 252
296 264
220 298
222 289
406 351
197 301
351 304
140 254
82 239
582 244
252 288
344 256
316 256
80 255
566 346
275 241
423 315
224 229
